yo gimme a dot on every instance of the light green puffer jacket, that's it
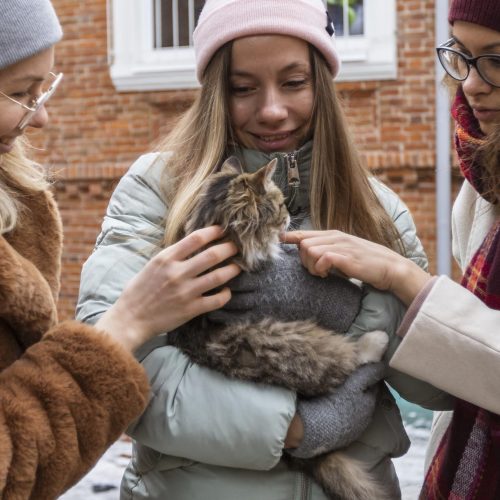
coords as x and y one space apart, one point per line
204 436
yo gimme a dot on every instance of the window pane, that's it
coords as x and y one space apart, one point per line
347 13
175 21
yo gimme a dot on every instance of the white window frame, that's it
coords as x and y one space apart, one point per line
135 65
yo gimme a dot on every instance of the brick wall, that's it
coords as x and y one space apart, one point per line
96 133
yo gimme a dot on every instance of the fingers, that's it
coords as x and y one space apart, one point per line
213 302
330 261
194 242
295 237
214 279
324 251
189 269
210 258
190 256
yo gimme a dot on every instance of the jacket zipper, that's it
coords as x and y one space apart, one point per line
293 181
304 489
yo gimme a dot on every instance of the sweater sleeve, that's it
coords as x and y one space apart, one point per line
62 404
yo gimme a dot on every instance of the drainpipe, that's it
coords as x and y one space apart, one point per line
443 168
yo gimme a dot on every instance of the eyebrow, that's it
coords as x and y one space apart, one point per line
288 67
490 46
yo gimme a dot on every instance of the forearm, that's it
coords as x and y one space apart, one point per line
407 280
61 405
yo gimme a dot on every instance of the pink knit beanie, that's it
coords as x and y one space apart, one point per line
483 12
221 21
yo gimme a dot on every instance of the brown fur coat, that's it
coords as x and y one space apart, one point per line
66 398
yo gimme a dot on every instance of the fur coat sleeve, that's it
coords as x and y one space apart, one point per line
62 404
66 391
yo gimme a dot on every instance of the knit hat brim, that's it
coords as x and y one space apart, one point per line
240 18
483 12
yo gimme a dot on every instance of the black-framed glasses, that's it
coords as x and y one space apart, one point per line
458 65
48 89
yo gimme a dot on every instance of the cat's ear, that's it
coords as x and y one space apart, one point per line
264 176
232 166
270 168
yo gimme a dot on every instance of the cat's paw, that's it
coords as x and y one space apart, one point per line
372 346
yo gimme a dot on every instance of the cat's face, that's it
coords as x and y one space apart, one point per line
250 208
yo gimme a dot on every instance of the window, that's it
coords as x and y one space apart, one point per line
150 41
174 22
347 16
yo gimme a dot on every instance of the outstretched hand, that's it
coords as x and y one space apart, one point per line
171 288
324 251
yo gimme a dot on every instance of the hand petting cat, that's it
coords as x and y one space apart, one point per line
179 275
377 265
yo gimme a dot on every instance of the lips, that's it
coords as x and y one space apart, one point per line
6 145
485 114
274 137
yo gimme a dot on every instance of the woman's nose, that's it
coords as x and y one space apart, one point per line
475 84
39 119
273 108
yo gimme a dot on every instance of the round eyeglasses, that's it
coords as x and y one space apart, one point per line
458 65
49 86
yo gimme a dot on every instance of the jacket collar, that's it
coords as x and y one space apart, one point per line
291 176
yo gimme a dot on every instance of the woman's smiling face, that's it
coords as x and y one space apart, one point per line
23 83
475 40
271 92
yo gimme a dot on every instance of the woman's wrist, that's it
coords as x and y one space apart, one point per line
117 325
408 280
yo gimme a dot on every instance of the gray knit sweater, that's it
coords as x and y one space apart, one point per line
286 291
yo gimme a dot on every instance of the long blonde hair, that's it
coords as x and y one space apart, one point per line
341 195
18 176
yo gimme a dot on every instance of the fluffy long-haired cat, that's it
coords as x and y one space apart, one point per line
312 360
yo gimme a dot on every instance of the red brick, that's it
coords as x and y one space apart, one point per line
96 133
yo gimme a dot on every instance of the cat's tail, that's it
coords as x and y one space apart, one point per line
344 477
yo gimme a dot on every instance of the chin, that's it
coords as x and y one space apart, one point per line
489 128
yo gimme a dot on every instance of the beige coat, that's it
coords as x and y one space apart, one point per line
454 341
66 397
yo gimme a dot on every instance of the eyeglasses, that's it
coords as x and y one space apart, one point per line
458 65
48 88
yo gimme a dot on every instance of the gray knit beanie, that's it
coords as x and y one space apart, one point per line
27 27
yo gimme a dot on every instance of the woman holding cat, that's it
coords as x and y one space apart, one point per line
266 69
67 390
451 330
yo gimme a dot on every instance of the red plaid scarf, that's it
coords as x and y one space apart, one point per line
467 462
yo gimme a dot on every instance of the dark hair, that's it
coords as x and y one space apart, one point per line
490 159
